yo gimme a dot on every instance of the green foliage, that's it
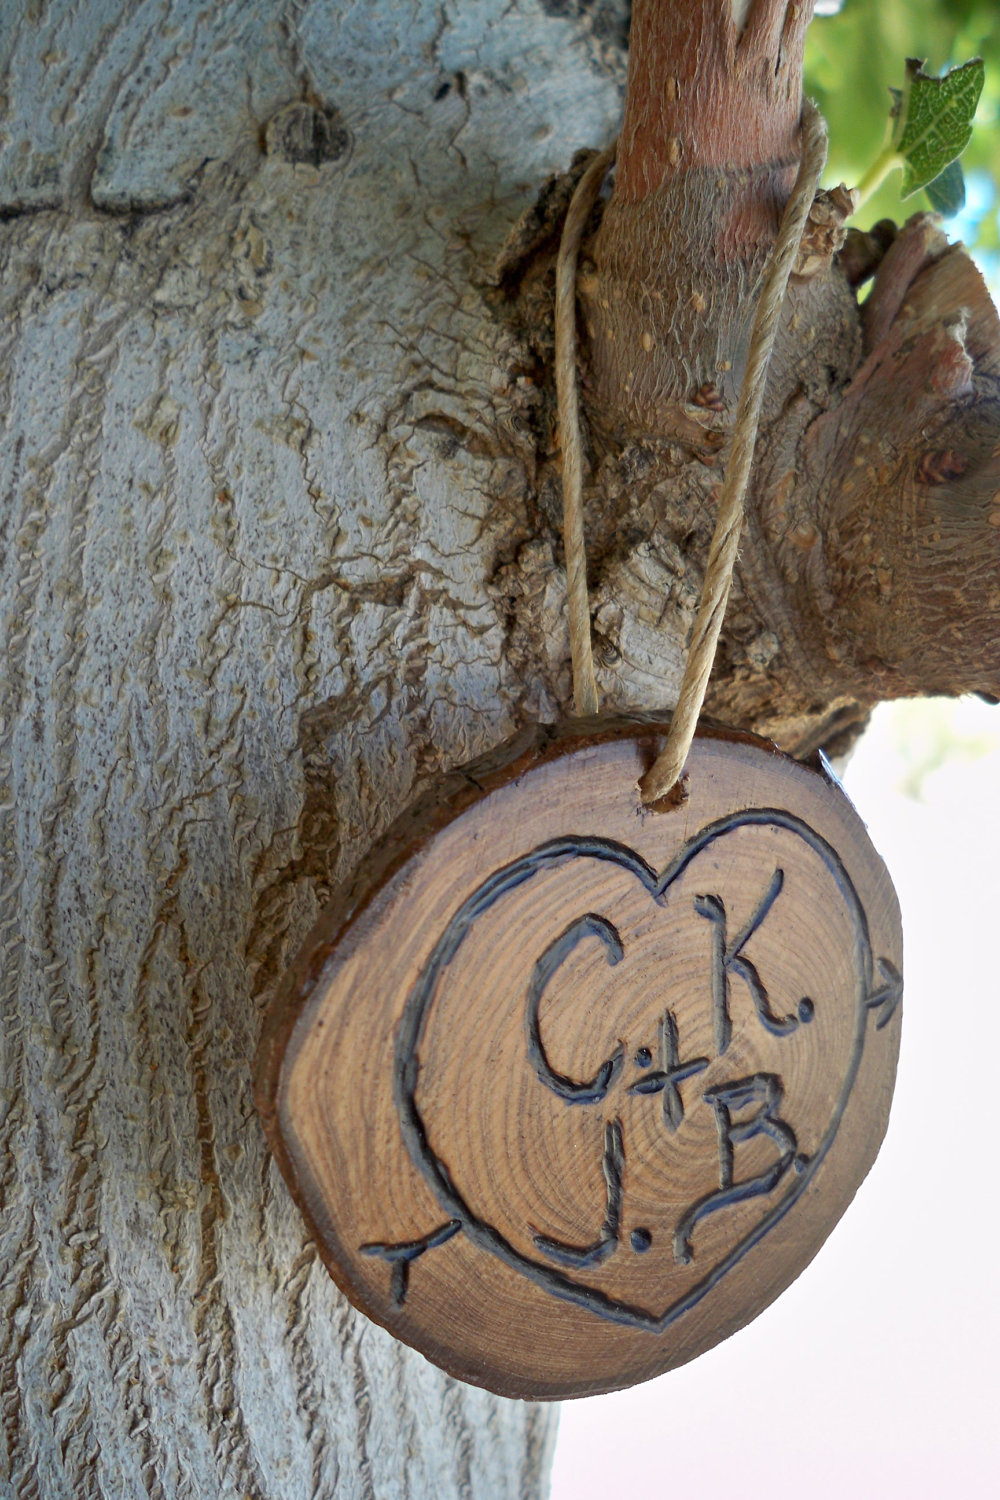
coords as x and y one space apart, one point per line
853 62
933 124
930 125
947 191
929 733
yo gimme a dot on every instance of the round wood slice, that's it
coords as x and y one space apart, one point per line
570 1090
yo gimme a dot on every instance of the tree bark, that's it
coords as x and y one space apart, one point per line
253 498
280 541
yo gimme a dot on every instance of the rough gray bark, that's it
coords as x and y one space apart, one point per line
260 540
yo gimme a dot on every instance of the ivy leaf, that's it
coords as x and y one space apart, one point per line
947 191
933 120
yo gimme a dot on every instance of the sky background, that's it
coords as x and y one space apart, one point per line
875 1374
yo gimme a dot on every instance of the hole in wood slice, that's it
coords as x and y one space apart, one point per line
570 1090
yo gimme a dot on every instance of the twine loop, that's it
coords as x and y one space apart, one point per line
666 771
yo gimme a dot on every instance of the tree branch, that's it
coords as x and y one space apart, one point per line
702 93
907 479
867 567
706 159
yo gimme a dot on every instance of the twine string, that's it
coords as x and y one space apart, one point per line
570 437
665 772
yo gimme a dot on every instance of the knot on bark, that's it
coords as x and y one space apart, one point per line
310 133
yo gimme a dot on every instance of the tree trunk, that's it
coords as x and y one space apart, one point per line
253 500
280 541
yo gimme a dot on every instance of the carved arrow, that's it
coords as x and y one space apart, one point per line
887 997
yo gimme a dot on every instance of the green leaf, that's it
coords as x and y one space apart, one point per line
947 191
933 122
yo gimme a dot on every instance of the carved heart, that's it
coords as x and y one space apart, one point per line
740 1098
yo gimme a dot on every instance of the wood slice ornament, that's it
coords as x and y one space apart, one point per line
577 1076
570 1089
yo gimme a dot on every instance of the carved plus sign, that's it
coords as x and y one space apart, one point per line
671 1072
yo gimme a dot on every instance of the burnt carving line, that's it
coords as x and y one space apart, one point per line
670 1073
593 1091
402 1256
417 1008
765 1089
888 996
727 959
613 1166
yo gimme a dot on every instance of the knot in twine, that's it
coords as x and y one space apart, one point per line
668 768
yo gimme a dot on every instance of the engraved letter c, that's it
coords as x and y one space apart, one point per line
593 1090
